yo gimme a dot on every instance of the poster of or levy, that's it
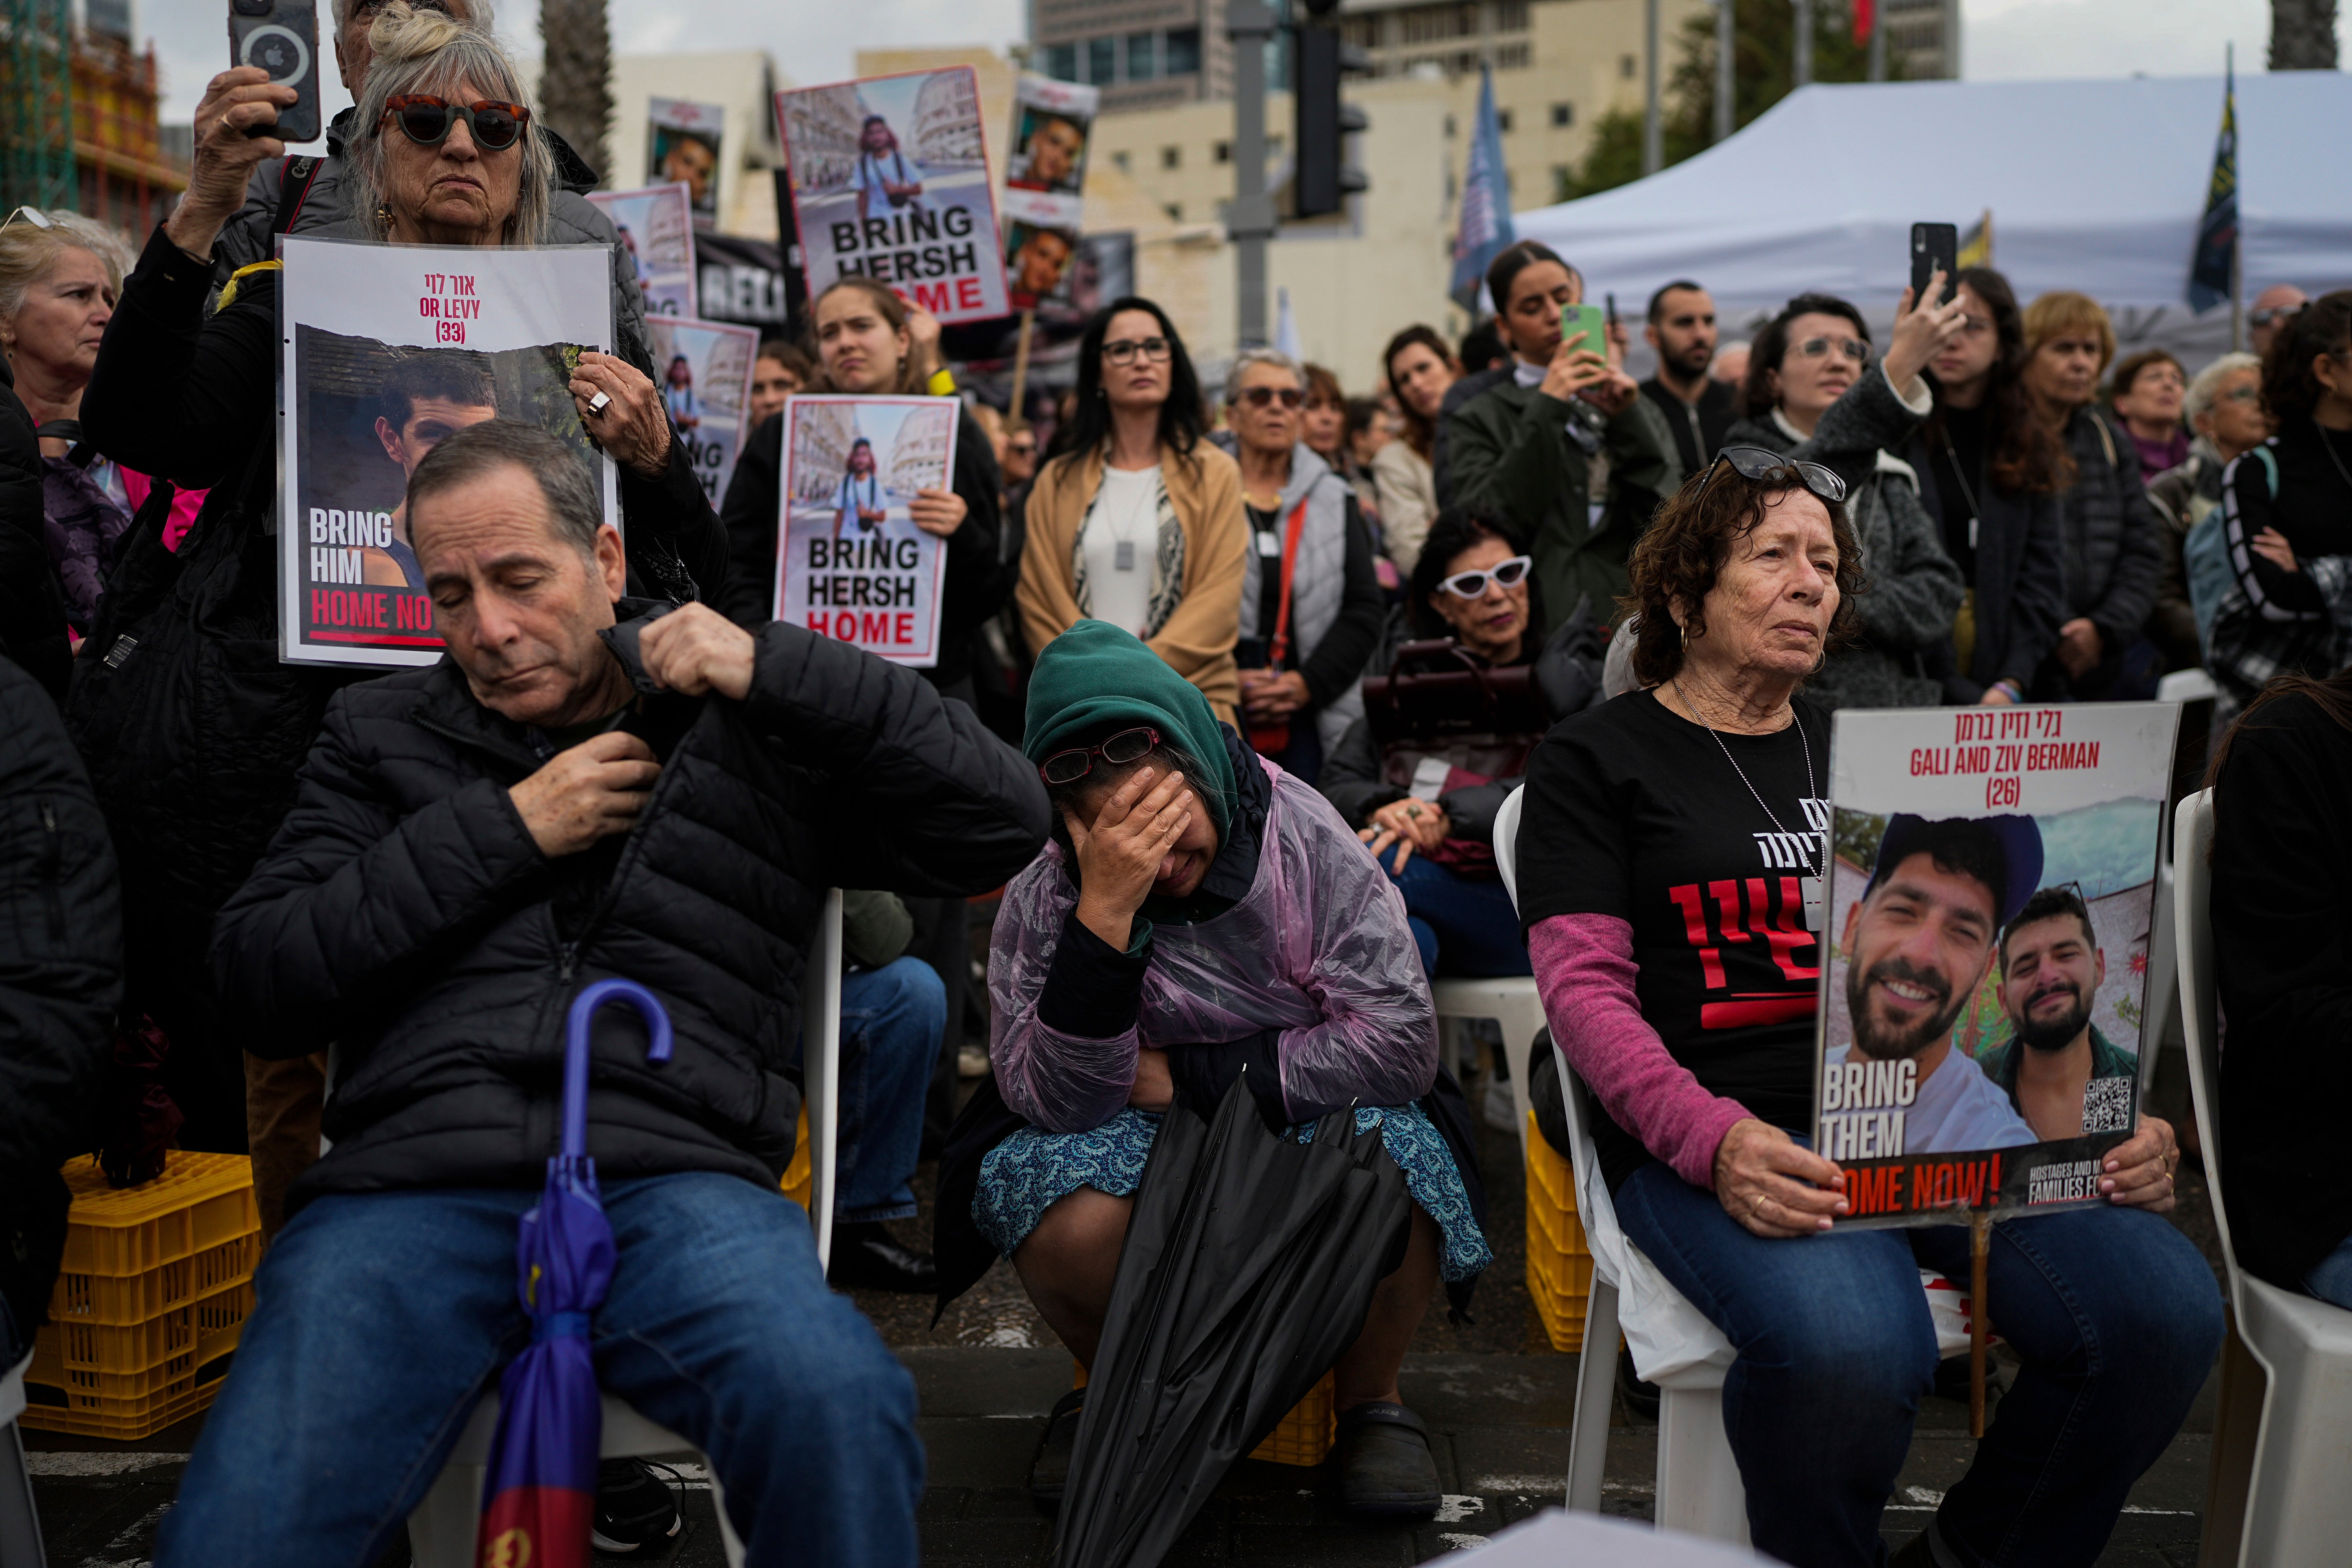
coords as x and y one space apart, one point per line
890 179
1991 889
704 370
656 228
1045 203
386 350
682 142
850 561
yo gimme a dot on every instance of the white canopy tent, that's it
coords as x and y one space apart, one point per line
2095 186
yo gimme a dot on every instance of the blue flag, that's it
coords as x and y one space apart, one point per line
1485 203
2209 272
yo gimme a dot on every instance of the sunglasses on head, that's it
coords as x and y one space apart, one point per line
426 119
1259 397
1126 746
1472 584
1761 464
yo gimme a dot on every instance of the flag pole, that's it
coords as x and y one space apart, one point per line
1980 1246
2237 245
1021 365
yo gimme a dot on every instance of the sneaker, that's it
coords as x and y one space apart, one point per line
1385 1465
1049 1472
866 1256
636 1514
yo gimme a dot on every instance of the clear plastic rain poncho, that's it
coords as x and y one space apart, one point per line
1317 949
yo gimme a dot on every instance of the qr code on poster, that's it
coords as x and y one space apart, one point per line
2107 1105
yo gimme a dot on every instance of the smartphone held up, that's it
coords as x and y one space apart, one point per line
1935 247
281 36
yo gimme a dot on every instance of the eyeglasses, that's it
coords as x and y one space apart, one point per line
31 214
1760 465
1854 349
1126 746
427 119
1259 397
1974 326
1026 448
1472 584
1123 352
2242 395
2275 314
369 10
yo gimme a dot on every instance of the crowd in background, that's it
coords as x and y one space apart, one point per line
1227 625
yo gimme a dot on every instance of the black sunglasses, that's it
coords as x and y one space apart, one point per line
1761 464
426 119
1126 746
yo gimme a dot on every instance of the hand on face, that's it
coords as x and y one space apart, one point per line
1129 849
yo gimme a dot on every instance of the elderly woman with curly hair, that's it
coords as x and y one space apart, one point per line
1679 970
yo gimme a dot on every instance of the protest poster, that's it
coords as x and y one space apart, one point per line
385 350
683 138
1991 893
889 179
704 370
1044 202
656 228
850 563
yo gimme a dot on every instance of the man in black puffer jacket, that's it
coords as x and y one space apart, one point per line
62 914
566 799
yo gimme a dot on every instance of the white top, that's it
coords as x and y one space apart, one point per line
1126 513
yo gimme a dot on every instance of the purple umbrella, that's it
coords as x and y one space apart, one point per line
541 1486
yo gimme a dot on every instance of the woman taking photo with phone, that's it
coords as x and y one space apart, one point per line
1525 448
1420 368
1133 518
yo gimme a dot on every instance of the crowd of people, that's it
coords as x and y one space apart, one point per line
1233 683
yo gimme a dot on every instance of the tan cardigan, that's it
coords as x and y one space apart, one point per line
1198 640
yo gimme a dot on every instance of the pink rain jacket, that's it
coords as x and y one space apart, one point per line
1317 949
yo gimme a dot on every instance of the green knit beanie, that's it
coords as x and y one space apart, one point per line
1095 676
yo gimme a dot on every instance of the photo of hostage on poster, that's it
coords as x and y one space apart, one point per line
889 178
386 350
656 228
703 369
1991 895
856 559
683 138
1045 193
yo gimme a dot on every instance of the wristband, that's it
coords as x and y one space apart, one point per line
2016 692
943 383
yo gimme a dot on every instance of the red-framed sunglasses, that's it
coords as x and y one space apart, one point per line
426 119
1126 746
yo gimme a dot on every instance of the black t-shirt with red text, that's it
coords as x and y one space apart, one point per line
1637 813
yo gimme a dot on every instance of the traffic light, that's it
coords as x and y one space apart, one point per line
1321 180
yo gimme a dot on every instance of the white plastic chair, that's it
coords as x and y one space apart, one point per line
1673 1343
1511 1000
442 1529
2187 686
20 1524
2298 1509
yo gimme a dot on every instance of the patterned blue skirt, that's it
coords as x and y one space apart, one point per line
1033 1170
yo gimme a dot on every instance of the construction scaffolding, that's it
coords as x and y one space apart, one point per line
37 153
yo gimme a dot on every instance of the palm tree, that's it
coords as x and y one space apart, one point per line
2302 34
575 84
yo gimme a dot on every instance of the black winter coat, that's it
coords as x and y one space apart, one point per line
2114 553
60 980
2019 587
405 911
979 577
32 612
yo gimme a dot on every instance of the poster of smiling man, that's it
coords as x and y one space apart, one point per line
853 562
1992 881
385 351
683 140
1044 184
889 178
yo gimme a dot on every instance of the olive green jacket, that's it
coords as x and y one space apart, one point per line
1510 454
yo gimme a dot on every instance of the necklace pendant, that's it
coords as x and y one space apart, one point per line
1816 909
1123 555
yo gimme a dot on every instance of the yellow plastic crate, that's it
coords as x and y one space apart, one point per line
208 1329
797 1175
1302 1438
51 1409
135 1299
199 1202
1559 1260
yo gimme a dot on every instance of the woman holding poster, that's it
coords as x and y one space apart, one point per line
192 746
1671 867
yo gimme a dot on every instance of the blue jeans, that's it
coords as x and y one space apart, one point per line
383 1317
2113 1314
891 1019
1464 925
2330 1278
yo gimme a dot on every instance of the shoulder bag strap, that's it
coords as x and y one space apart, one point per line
1280 649
294 189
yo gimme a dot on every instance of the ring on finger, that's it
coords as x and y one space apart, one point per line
601 402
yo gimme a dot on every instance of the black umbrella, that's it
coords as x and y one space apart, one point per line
1249 1265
